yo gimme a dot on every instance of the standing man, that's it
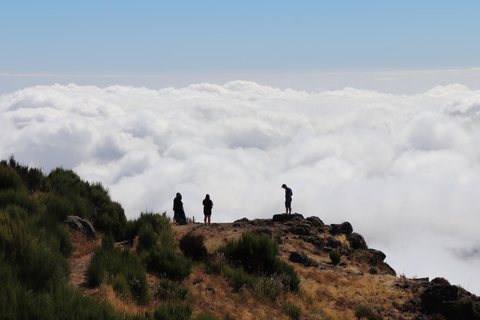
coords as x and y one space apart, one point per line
207 209
288 199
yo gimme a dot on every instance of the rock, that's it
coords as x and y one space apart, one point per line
434 297
303 230
357 241
240 222
386 269
377 255
286 217
82 225
344 228
333 243
313 239
297 256
316 221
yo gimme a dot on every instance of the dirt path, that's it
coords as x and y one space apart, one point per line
78 266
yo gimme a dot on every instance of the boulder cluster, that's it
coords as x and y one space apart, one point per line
323 237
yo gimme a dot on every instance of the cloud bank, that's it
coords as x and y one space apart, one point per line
403 169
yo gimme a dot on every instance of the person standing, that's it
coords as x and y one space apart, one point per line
207 209
178 212
288 199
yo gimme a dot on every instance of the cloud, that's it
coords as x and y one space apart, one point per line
403 169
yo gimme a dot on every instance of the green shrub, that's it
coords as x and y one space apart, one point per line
159 223
19 198
120 284
173 312
35 263
335 257
193 246
58 206
363 311
32 178
166 262
257 254
171 291
90 201
292 310
9 179
147 238
108 262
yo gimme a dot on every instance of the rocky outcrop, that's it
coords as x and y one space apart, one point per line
344 228
453 303
82 225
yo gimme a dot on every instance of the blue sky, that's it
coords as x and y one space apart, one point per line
204 37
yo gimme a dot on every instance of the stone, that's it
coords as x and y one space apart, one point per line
286 217
344 228
333 243
297 256
316 221
300 230
357 241
377 255
82 225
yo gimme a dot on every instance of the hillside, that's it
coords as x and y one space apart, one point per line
361 284
68 252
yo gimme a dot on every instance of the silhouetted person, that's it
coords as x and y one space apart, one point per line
207 208
288 199
178 212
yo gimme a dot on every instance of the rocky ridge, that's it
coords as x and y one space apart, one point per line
418 299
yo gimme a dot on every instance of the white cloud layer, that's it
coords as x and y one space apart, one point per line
403 169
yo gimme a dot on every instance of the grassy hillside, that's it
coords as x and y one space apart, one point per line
287 267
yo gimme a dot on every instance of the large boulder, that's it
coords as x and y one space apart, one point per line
282 217
82 225
316 221
357 241
297 256
344 228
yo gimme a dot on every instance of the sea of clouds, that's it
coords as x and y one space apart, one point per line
404 169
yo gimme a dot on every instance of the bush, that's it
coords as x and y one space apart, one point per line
9 179
90 201
335 257
19 198
363 311
166 262
147 238
37 266
170 291
257 254
193 246
292 310
159 223
109 262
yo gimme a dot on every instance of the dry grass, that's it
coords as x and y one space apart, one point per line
82 244
327 291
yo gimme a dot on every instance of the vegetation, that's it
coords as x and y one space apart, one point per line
257 254
193 246
335 257
119 267
34 270
292 310
33 250
365 312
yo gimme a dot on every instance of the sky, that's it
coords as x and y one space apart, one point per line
368 110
